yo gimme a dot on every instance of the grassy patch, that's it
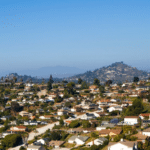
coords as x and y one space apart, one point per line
105 148
68 145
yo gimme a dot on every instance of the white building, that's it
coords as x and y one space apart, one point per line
97 142
61 112
79 140
123 145
131 120
114 108
35 147
146 132
100 128
88 116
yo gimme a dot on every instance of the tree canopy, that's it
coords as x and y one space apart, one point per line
136 79
96 82
12 140
136 108
49 83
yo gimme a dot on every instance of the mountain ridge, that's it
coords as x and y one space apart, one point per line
117 72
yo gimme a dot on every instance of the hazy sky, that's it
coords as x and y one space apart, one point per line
80 33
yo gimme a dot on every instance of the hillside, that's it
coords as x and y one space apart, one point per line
26 78
118 72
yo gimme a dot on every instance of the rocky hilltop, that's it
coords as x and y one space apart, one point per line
117 72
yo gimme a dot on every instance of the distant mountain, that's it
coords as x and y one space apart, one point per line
57 71
118 72
28 78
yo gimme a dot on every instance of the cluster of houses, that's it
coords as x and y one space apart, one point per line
86 105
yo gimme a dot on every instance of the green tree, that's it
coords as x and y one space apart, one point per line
49 83
15 79
12 140
136 108
55 135
61 122
15 107
86 124
80 81
96 82
68 104
108 82
84 85
58 99
136 79
101 89
93 134
70 84
140 146
74 124
22 148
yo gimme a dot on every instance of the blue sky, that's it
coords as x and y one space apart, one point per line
86 34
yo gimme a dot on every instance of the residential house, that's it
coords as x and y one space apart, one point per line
56 144
18 128
105 126
29 84
131 120
143 88
123 145
46 117
75 130
88 130
35 147
4 118
146 132
79 140
6 133
43 141
88 116
114 121
76 108
144 116
114 108
24 114
38 111
99 141
32 123
140 137
145 122
110 132
61 112
94 89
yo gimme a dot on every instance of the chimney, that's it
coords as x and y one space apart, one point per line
121 140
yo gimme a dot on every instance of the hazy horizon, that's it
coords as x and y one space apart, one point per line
84 34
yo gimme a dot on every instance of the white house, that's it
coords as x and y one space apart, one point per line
100 128
73 109
146 132
79 140
6 133
88 116
29 84
35 147
114 108
131 120
97 142
41 100
61 112
113 100
143 116
46 117
123 145
43 141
